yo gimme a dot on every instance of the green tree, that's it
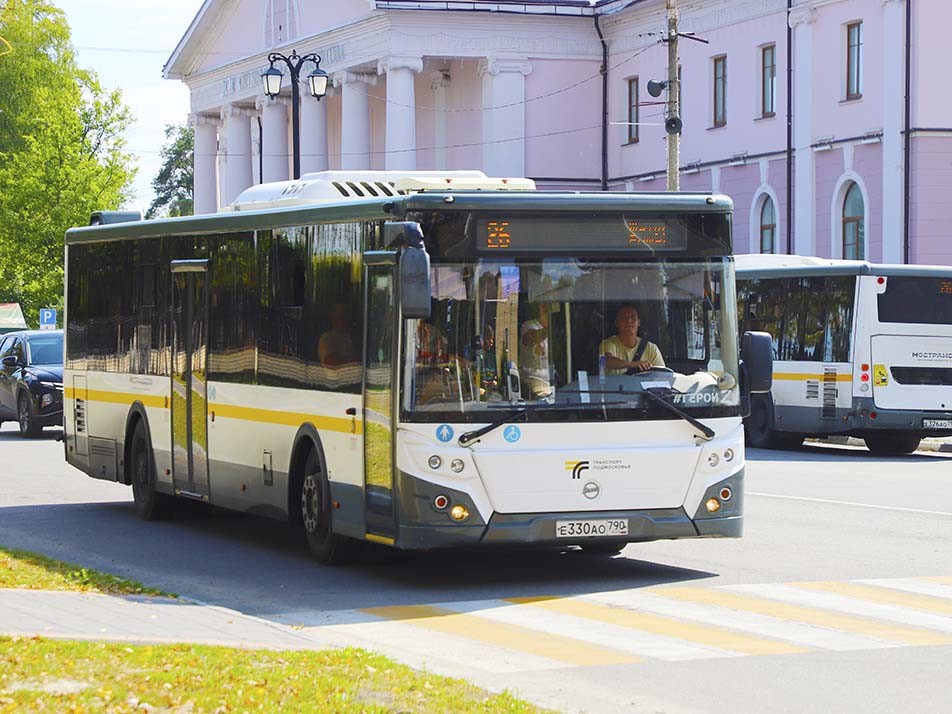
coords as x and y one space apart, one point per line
61 152
173 184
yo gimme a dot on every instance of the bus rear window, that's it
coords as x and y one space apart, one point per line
916 300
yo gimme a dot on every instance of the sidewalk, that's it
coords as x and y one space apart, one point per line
941 444
143 619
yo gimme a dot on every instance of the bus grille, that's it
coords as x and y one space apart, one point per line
829 394
922 375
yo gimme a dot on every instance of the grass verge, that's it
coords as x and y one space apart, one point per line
22 569
40 675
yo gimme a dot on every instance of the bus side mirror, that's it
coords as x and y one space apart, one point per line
413 268
757 363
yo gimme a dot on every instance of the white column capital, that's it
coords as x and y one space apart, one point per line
802 15
410 62
235 110
439 80
262 102
195 120
348 77
495 67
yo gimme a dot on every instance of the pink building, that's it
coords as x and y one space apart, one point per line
516 88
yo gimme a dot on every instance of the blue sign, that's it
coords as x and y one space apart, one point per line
444 432
512 434
47 318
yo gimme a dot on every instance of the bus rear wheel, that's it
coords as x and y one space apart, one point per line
150 504
759 427
327 547
885 444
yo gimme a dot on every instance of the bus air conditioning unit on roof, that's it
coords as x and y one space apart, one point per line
336 186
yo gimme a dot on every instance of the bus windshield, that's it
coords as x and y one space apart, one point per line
536 332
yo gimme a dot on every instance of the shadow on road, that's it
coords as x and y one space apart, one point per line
838 453
14 435
254 565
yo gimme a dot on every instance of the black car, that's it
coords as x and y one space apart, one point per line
31 379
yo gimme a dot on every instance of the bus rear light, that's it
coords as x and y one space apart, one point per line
864 377
726 494
459 513
872 415
712 505
880 280
864 367
441 502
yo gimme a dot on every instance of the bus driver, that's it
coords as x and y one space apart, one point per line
626 350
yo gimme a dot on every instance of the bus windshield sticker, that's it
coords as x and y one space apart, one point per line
444 432
512 434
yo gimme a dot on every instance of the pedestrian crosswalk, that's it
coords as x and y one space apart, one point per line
659 623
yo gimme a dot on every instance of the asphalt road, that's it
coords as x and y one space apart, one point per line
641 632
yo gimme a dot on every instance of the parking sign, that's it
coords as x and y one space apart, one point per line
47 318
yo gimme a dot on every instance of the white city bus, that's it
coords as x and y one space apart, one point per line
859 349
413 360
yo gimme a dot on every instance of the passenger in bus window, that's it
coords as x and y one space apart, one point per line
534 355
336 347
627 350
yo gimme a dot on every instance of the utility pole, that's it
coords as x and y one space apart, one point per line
674 96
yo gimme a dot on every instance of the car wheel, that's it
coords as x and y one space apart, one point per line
28 426
326 546
150 504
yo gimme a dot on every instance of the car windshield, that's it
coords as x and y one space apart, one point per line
504 334
46 349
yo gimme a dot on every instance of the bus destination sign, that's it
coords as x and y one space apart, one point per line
594 233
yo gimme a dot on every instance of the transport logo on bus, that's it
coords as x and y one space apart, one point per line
576 467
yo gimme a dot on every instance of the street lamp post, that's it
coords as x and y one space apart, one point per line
317 86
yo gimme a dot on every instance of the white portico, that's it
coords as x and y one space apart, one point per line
410 89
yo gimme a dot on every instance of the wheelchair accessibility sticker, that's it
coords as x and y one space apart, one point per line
444 432
512 434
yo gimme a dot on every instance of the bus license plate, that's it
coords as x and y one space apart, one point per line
937 423
589 529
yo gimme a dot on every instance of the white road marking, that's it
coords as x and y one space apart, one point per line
847 503
921 587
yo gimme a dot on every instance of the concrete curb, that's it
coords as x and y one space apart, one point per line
934 445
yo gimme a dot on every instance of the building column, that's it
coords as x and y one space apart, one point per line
275 161
205 169
894 66
802 20
401 111
355 119
504 116
440 84
313 132
237 150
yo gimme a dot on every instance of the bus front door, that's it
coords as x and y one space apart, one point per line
380 347
189 374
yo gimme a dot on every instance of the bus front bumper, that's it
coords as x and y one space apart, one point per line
540 528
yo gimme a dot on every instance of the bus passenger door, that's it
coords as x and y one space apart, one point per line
379 376
189 374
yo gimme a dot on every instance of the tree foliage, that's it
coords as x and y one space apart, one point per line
61 152
173 184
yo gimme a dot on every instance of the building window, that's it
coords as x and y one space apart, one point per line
854 60
853 224
768 83
720 90
632 110
768 226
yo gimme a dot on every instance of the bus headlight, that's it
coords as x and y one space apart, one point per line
729 455
457 465
459 513
712 505
434 462
713 460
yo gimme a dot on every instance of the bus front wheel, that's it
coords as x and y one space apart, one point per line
326 546
884 444
150 504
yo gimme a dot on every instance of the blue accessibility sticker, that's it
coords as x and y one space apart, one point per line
512 433
444 432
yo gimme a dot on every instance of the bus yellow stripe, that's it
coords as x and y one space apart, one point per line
99 395
808 615
668 627
794 376
512 637
378 539
271 416
884 596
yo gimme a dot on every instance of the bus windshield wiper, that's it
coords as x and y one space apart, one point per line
519 412
707 431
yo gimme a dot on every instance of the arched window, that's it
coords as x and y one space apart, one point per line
768 226
854 227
